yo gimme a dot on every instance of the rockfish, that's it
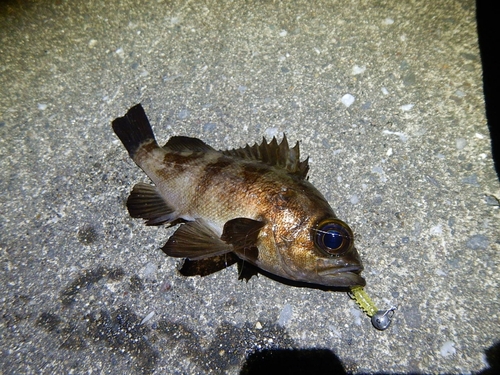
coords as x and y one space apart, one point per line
254 202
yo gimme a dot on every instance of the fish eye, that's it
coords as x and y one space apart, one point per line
333 236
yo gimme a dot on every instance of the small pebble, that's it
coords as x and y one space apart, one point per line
380 171
460 143
436 230
285 315
406 107
149 270
148 317
354 199
491 200
358 70
448 349
183 114
209 127
470 180
347 100
402 136
440 272
357 315
271 132
478 242
388 21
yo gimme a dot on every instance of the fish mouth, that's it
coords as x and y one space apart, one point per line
342 275
353 269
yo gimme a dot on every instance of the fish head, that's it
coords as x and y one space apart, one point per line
320 252
337 260
311 244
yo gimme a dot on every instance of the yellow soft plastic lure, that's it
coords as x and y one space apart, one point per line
381 319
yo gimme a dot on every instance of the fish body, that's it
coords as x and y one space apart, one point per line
254 202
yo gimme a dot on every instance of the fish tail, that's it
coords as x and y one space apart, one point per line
134 129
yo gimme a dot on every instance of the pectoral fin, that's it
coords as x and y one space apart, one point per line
145 202
242 232
196 240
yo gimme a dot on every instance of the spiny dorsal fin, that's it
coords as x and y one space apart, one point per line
272 153
181 143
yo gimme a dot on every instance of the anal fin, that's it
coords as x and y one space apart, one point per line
146 202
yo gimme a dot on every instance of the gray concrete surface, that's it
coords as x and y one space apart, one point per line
86 288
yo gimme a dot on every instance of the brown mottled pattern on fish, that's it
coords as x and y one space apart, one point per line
254 202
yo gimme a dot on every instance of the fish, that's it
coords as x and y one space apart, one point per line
253 203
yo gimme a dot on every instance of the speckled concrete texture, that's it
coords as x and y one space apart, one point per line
386 99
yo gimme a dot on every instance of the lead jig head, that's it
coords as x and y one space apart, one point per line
382 318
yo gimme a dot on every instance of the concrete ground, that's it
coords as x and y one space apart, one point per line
386 99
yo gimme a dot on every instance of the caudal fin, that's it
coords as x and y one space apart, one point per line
133 129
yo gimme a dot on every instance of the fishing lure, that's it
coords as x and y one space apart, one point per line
381 319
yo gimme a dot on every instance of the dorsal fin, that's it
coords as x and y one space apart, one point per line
272 153
181 143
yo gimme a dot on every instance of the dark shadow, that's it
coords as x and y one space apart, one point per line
489 40
14 7
493 359
293 362
297 284
324 361
121 331
246 271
